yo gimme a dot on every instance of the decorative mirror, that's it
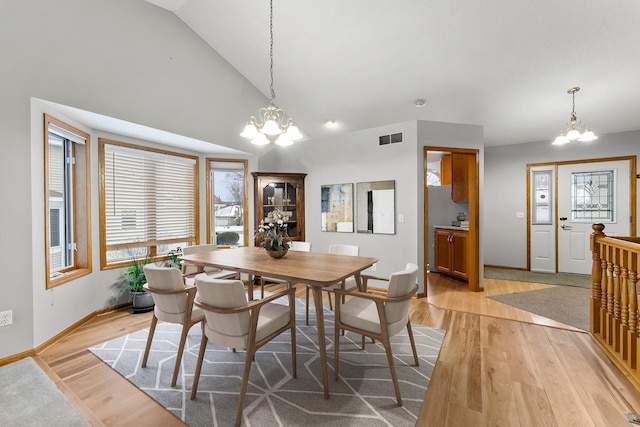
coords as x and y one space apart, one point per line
376 207
337 207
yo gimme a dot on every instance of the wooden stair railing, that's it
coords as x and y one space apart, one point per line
614 297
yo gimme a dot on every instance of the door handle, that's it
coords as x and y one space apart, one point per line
566 227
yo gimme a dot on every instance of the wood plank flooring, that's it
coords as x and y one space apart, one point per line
499 366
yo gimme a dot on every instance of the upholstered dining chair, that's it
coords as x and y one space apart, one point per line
189 270
173 303
234 322
294 245
379 317
349 283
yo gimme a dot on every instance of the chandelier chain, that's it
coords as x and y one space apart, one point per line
273 92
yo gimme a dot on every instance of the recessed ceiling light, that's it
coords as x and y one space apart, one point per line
330 123
420 102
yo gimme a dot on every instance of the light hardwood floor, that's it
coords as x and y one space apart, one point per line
499 366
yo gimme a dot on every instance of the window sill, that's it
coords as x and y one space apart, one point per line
52 282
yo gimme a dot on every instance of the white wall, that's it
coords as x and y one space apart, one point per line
125 59
505 188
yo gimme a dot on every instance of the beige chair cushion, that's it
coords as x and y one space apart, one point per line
400 284
232 330
340 249
296 245
363 314
168 308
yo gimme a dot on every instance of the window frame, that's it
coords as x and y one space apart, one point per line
209 197
151 248
79 205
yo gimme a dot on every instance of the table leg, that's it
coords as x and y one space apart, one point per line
255 282
317 299
359 282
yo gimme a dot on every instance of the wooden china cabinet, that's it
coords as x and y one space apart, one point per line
284 191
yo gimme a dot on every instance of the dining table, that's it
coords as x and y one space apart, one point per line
316 269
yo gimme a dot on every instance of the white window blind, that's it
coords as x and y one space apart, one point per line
149 200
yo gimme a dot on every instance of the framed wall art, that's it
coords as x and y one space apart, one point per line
376 207
337 207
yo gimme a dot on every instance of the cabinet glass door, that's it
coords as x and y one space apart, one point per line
281 196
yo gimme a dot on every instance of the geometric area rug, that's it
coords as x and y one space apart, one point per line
363 395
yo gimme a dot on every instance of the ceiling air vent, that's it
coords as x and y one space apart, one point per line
390 139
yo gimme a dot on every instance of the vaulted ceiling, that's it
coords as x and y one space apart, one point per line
502 64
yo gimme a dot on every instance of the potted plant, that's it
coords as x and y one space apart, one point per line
134 280
272 234
175 255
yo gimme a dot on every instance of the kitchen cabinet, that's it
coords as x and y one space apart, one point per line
454 171
445 170
460 177
451 251
284 191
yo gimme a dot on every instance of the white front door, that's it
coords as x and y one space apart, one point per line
590 193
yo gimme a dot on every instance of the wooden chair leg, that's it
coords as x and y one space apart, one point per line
294 363
413 344
183 340
336 353
307 299
392 367
261 287
152 329
196 376
330 304
245 381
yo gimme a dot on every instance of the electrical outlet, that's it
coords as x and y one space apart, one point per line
6 318
373 267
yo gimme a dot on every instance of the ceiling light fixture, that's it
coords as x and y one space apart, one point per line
574 131
272 120
420 102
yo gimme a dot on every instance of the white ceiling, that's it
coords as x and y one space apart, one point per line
503 64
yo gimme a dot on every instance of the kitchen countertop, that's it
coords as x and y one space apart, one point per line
452 227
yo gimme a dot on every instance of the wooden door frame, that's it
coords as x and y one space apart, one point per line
473 250
632 195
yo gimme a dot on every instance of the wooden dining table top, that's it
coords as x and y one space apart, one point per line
316 269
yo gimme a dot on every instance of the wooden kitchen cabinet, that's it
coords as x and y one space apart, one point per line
445 170
454 171
451 252
284 191
460 177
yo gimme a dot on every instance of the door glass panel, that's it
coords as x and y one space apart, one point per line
542 198
592 197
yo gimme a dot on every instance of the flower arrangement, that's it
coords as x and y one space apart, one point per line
272 233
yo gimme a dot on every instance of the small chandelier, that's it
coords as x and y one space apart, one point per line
574 131
272 120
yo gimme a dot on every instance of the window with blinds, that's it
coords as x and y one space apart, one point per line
148 201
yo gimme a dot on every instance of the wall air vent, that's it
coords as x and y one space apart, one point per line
394 138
